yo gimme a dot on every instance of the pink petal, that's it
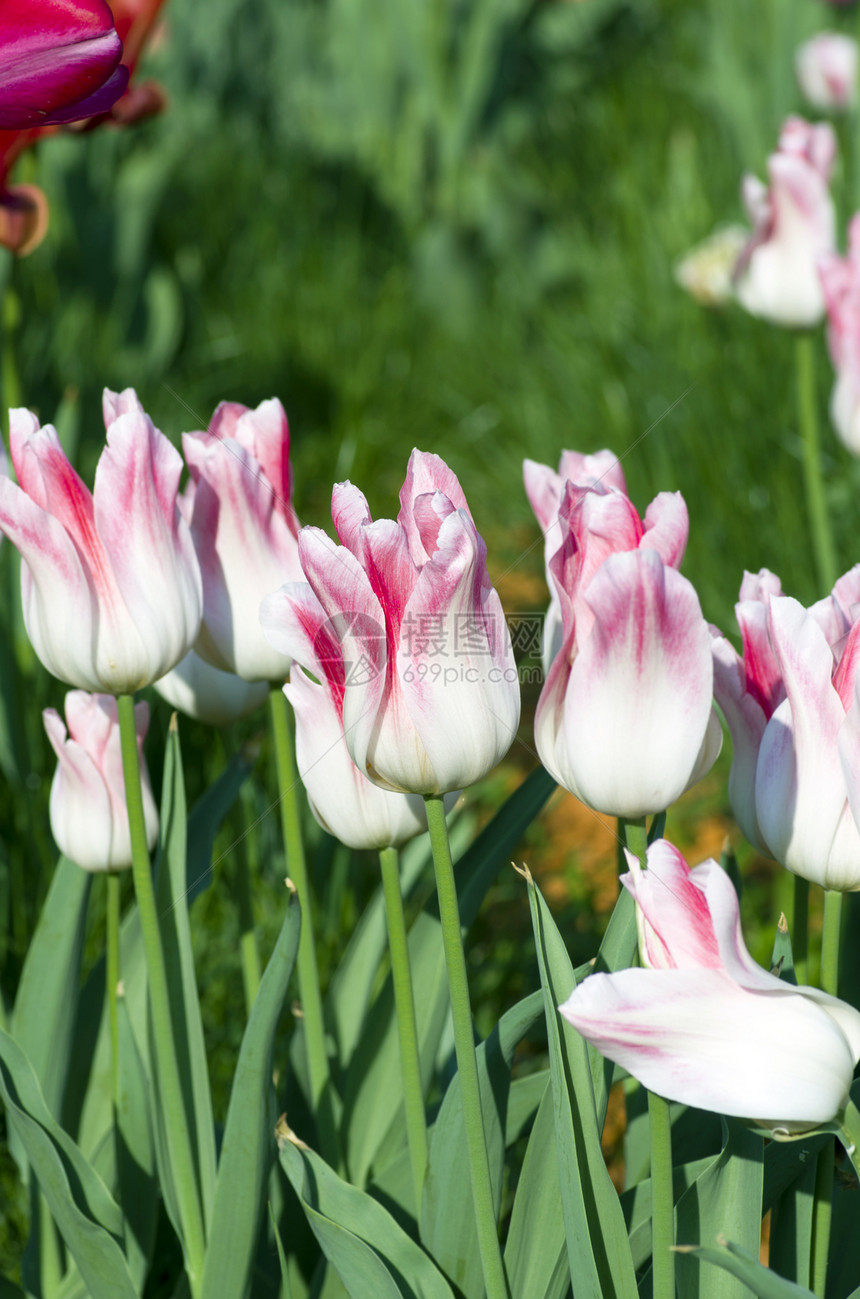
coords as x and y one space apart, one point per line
426 473
80 807
350 512
295 623
746 721
675 926
667 527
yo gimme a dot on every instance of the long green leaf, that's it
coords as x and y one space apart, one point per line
205 819
536 1253
448 1229
372 1255
598 1251
726 1197
745 1268
135 1154
88 1219
247 1148
172 903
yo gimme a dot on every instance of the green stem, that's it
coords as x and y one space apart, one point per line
166 1062
410 1060
816 505
309 979
247 935
112 977
635 836
800 929
822 1211
662 1204
495 1280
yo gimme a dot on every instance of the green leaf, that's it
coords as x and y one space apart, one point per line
524 1100
727 1196
43 1019
88 1219
172 904
448 1229
744 1268
204 821
247 1148
135 1154
636 1206
782 960
598 1250
536 1252
372 1255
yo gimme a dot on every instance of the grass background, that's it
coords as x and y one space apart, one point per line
453 227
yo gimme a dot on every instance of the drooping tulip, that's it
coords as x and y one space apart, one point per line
624 720
791 708
110 582
431 697
245 532
89 820
704 1024
59 61
794 225
343 800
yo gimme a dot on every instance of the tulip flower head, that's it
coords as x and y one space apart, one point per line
344 802
110 582
840 278
624 720
59 61
792 711
826 68
793 218
245 532
704 1024
431 696
209 695
706 271
89 820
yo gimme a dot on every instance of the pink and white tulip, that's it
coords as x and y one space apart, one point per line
840 278
59 61
792 710
431 694
89 820
794 225
545 488
209 695
704 1024
110 582
245 531
826 68
344 802
624 720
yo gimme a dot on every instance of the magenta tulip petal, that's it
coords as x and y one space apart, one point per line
58 61
676 930
695 1037
425 475
639 696
391 573
350 512
667 527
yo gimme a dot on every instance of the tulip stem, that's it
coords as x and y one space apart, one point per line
112 977
404 1000
800 930
816 505
662 1202
176 1120
830 941
823 1206
309 979
495 1280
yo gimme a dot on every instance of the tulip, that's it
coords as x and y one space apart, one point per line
703 1024
58 61
89 820
791 709
110 582
245 532
624 720
209 695
344 802
431 695
706 271
544 488
826 68
793 226
840 278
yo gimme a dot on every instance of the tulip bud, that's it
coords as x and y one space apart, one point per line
89 820
110 583
705 1025
776 276
826 68
245 531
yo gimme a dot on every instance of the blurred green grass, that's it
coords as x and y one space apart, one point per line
451 226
